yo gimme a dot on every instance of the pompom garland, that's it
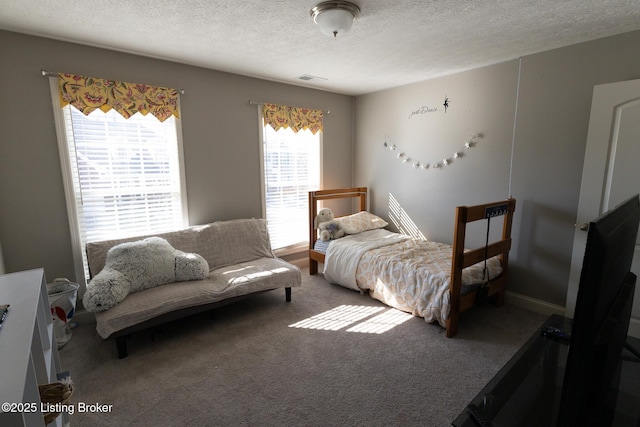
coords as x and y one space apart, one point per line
470 143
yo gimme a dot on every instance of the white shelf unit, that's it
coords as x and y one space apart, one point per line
28 352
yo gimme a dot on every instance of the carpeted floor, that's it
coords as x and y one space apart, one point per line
361 364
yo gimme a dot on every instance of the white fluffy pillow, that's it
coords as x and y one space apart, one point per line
361 221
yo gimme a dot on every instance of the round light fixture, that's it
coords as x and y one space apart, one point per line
334 17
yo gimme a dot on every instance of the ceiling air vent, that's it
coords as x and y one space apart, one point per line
310 77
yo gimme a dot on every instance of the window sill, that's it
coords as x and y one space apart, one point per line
292 250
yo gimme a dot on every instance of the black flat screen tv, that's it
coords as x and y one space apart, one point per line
601 318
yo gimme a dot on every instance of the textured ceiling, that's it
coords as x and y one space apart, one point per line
391 44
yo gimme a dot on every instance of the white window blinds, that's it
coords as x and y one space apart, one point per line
126 174
291 169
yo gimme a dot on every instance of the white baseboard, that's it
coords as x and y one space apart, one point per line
83 317
535 305
634 328
548 309
300 262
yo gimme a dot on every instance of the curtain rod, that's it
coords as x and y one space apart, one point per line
46 73
252 102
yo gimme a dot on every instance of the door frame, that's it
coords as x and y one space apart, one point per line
597 174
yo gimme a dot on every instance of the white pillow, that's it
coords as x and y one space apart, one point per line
361 221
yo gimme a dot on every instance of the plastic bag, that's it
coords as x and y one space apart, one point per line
62 299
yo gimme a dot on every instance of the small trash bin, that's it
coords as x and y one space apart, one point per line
62 299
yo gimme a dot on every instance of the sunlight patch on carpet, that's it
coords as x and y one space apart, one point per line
382 322
357 315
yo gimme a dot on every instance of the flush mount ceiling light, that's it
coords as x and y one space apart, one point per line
334 17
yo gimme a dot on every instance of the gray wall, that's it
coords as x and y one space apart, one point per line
541 167
220 132
538 161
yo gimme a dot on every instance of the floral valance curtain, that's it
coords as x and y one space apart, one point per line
89 93
281 116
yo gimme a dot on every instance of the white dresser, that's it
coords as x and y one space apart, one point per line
28 352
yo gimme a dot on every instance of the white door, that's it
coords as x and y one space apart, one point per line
611 173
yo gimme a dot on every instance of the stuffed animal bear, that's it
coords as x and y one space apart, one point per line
135 266
328 227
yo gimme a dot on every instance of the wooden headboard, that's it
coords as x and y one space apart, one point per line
463 258
314 197
494 288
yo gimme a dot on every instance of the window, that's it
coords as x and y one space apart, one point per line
123 176
291 168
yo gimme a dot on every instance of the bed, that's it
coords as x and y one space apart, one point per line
436 281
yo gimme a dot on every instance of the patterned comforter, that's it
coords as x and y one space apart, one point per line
409 274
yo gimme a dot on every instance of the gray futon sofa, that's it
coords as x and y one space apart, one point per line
241 263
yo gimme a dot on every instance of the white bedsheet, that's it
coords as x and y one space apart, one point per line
343 255
408 274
